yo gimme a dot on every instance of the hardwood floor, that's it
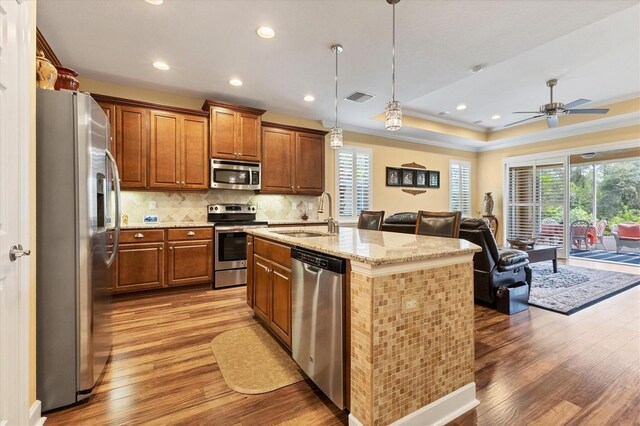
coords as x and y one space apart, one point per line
535 367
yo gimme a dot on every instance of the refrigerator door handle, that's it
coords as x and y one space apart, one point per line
116 234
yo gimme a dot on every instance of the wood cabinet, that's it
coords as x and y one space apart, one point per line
250 271
272 286
157 258
235 131
190 262
131 146
158 146
292 160
140 266
178 151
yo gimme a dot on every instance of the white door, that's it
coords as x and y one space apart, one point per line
15 98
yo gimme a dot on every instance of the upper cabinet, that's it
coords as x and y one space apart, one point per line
292 160
158 147
235 131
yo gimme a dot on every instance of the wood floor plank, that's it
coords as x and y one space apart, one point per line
535 367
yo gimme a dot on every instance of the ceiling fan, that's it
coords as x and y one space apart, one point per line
553 109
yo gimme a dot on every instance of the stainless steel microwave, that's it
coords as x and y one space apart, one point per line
229 174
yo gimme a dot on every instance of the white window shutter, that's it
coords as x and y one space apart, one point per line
460 187
353 181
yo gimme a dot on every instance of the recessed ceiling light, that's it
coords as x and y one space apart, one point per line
461 107
444 113
161 65
235 82
155 2
266 32
309 98
477 68
495 117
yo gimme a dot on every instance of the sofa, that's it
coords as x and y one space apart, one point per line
626 235
492 267
404 222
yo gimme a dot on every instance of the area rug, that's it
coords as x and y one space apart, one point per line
574 288
252 362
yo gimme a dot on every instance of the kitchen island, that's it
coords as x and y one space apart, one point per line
409 319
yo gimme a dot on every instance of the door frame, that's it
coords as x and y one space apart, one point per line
25 84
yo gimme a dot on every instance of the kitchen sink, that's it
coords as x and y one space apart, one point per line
302 234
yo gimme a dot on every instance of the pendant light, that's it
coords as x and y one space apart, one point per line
335 136
393 114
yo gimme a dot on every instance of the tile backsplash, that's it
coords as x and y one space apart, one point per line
192 207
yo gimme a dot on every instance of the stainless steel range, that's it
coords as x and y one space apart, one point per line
230 254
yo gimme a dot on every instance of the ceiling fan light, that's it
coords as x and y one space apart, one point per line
393 116
335 138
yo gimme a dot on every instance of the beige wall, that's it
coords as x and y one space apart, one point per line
490 164
386 152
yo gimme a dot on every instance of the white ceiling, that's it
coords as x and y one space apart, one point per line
591 46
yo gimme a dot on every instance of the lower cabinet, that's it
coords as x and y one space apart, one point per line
190 262
272 288
150 259
140 266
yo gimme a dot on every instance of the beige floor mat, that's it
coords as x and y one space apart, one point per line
251 362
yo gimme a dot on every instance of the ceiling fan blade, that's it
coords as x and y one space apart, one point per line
588 111
526 112
553 121
521 121
576 103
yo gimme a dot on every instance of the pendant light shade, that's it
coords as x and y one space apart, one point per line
335 136
393 113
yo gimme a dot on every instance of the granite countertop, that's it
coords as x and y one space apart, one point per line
161 225
371 247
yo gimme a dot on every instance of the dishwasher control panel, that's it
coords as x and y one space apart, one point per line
319 260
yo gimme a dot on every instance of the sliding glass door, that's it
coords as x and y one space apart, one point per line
536 202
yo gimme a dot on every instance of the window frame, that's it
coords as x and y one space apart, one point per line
336 176
460 163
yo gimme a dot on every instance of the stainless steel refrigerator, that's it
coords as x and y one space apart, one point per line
77 189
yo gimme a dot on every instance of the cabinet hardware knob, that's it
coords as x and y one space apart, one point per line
160 248
170 248
183 182
178 182
191 234
138 235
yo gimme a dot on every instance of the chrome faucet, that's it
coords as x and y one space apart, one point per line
331 223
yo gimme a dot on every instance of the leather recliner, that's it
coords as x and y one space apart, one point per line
493 268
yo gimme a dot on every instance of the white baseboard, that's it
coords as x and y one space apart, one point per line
35 418
439 412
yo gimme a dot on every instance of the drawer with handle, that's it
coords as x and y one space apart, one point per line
181 234
142 236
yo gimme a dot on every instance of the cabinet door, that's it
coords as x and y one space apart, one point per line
131 146
277 160
164 147
281 303
262 288
195 153
250 271
110 111
190 262
223 133
248 136
140 266
309 168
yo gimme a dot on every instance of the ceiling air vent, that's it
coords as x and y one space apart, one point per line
359 97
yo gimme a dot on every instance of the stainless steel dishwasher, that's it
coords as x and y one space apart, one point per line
318 318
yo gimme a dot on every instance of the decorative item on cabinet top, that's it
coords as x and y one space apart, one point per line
46 73
67 79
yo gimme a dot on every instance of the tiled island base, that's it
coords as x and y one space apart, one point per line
412 348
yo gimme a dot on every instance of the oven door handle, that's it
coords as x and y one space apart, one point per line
237 228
